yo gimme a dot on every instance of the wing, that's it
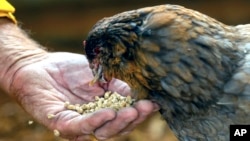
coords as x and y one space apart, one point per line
191 55
203 74
237 89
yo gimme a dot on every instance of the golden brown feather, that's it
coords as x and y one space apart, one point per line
195 67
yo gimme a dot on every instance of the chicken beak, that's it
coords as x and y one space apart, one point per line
97 75
92 82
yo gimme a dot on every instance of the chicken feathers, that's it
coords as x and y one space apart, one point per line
195 67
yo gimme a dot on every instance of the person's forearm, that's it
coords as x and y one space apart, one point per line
16 51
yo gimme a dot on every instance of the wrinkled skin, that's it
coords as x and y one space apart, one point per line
43 86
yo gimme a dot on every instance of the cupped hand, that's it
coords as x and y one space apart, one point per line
43 87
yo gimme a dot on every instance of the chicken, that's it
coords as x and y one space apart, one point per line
196 68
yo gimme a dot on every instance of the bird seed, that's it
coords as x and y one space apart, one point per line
109 100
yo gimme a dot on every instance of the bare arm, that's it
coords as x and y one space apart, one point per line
16 51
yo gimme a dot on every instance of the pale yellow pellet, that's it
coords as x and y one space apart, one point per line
109 103
127 104
97 108
99 104
92 105
109 100
97 98
30 122
114 100
101 99
56 133
123 104
80 110
107 94
87 107
71 107
128 98
66 103
50 116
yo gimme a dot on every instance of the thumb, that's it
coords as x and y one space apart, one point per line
116 85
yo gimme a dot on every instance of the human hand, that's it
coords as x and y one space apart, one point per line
44 86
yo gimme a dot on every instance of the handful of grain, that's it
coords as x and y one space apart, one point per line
110 100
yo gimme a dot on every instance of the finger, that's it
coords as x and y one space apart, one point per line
83 124
144 109
120 87
123 119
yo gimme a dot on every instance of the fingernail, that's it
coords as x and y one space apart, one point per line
125 133
101 138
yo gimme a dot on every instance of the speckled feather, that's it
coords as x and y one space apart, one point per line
196 68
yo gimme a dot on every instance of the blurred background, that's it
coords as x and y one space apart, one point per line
62 25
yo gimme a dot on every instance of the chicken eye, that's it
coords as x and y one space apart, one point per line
97 50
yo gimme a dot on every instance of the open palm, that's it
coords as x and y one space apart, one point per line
43 87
